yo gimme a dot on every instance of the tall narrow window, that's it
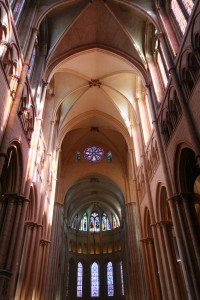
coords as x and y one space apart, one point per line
94 222
109 156
122 278
105 222
110 284
79 280
94 280
115 224
162 69
188 4
18 9
83 224
75 222
179 16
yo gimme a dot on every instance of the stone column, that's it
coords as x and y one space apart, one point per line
168 236
9 234
191 269
147 267
136 287
165 263
187 202
53 281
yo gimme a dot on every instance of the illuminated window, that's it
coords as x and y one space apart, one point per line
94 222
93 153
79 279
122 278
115 223
75 222
94 280
18 9
110 284
78 156
109 156
188 4
105 222
162 68
83 224
179 16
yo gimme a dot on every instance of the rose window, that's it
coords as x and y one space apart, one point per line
93 153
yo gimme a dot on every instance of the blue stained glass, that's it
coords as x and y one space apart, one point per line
79 279
110 279
94 280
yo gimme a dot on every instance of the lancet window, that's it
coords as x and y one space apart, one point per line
79 280
18 9
94 280
110 284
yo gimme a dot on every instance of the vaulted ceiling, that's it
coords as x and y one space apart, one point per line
96 67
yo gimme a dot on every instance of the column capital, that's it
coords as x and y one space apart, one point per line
175 198
186 196
165 223
44 242
13 198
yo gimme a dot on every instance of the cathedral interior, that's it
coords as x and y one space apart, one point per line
99 149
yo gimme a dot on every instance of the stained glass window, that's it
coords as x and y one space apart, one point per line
122 278
162 69
94 280
188 4
105 222
78 156
109 156
83 224
94 222
110 279
178 14
93 153
115 223
75 222
79 279
17 9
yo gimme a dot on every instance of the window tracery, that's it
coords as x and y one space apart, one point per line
95 222
93 153
94 280
110 279
178 15
79 280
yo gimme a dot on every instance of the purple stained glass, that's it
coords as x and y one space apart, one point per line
94 280
178 14
110 279
17 9
93 153
79 279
